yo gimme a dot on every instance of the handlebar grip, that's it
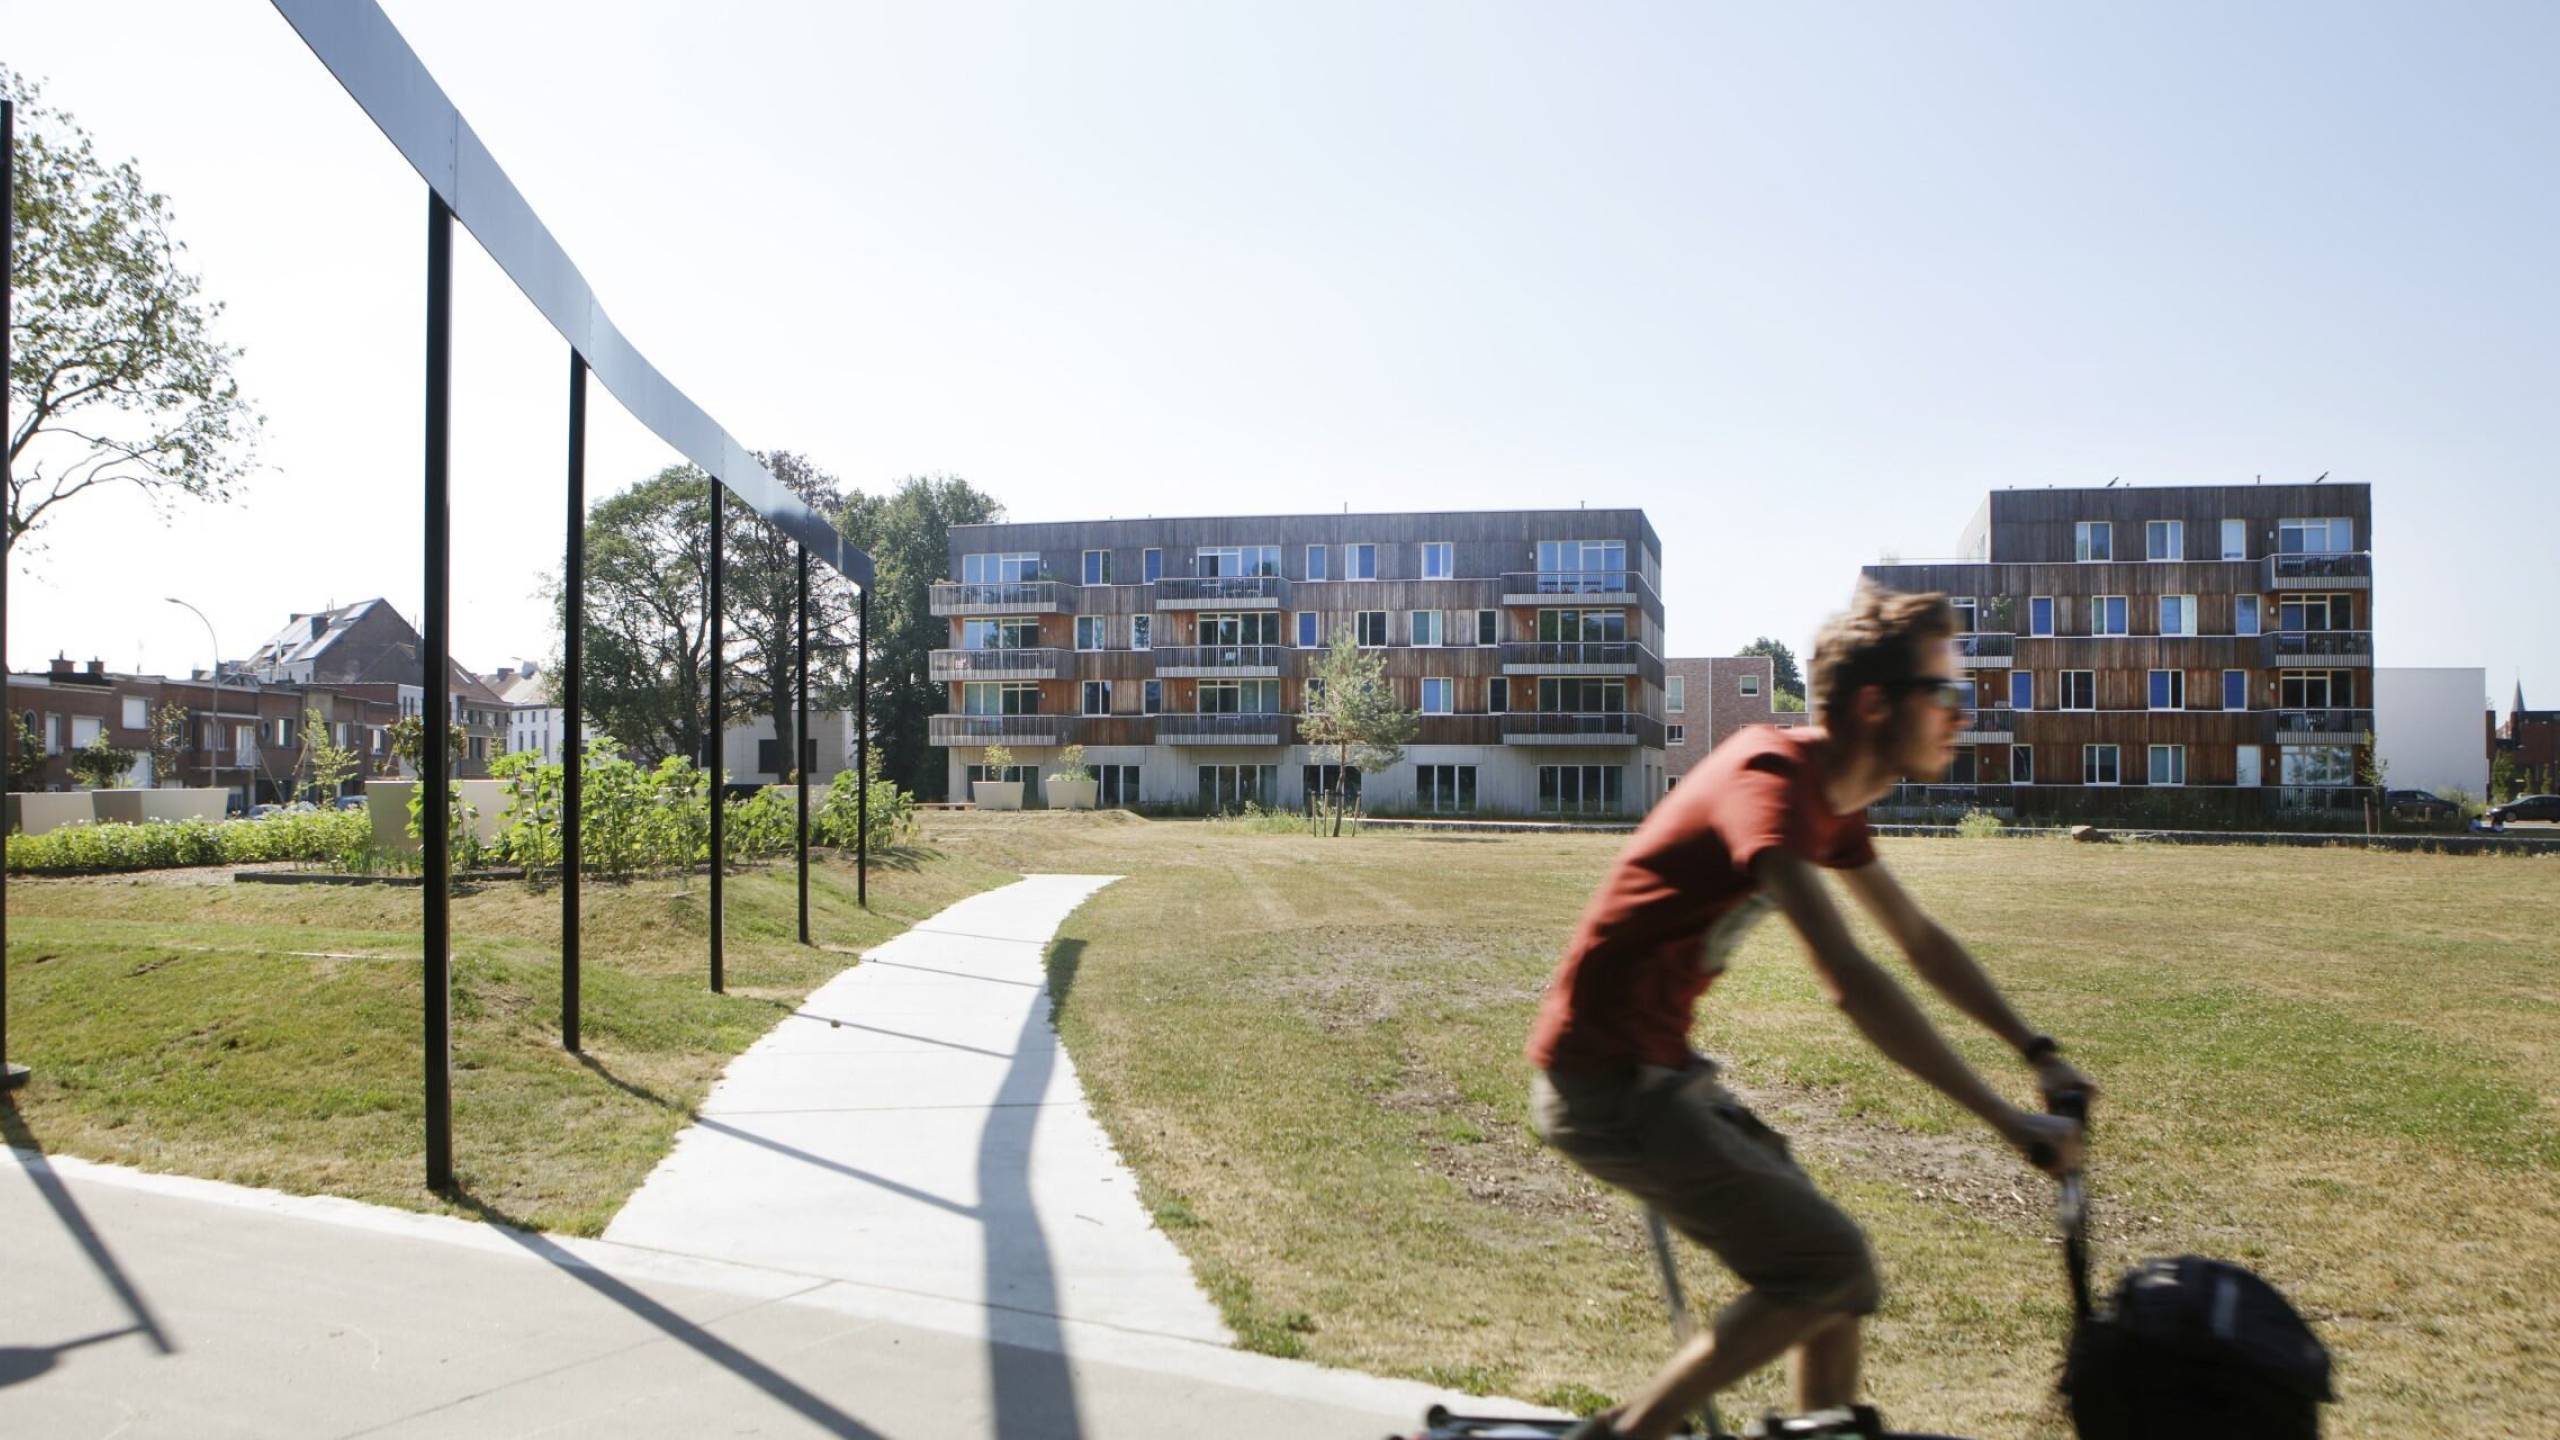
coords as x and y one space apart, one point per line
2069 1104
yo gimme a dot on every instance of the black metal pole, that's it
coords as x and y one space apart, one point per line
719 827
435 760
11 1075
862 744
573 658
800 739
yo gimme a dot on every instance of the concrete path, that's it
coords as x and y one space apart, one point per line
895 1218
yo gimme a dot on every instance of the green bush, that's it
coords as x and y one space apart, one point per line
340 837
893 811
1979 825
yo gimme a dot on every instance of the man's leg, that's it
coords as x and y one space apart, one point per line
1825 1366
1744 1336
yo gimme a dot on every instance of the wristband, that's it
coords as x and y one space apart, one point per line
2040 1048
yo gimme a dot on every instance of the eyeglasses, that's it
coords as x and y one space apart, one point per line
1946 694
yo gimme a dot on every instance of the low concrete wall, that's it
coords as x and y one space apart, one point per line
33 812
135 807
387 801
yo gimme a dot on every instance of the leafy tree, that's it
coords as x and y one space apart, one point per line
168 742
407 737
26 751
761 625
1351 707
648 637
102 763
908 535
114 375
1782 667
1786 704
2504 784
327 764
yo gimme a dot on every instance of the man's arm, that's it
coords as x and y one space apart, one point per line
1888 1018
1938 956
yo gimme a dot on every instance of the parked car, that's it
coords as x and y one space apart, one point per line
2421 807
2524 807
261 812
350 802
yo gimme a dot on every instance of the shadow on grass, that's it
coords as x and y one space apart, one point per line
1065 958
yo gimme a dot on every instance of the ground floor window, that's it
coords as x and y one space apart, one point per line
1580 789
1318 782
1116 786
2317 765
1233 787
2022 764
1444 789
2101 765
999 775
2168 764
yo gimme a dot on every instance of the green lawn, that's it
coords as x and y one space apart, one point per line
270 1035
2335 1066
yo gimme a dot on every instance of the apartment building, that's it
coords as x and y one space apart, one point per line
1706 698
2194 651
1177 652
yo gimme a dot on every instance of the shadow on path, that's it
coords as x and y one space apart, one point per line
57 1195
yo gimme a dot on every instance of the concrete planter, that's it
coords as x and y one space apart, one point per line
33 812
137 807
387 801
996 794
1065 794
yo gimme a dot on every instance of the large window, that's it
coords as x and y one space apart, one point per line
1316 558
2168 689
1359 562
2107 615
2101 765
1581 695
2022 689
1318 782
2040 615
1439 560
1239 559
1373 627
2022 764
1439 695
998 569
2235 689
1097 567
1239 627
2244 614
2093 540
2079 690
2164 540
1675 693
1115 786
1444 789
1966 613
1097 697
1308 638
2315 689
1584 625
1239 697
2316 612
2235 539
1089 632
999 697
2177 614
1603 561
1233 787
1426 627
1579 789
2168 765
2332 536
2317 765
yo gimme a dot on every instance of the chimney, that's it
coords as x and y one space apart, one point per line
319 626
98 667
61 665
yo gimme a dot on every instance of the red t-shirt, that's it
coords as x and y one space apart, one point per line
1680 898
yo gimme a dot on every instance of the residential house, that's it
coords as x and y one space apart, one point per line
1706 698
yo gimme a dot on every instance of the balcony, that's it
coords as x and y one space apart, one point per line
1985 651
1005 597
1561 727
2316 649
1571 657
1000 729
1178 662
1221 592
1993 726
1226 729
2350 570
2320 727
1577 587
1026 663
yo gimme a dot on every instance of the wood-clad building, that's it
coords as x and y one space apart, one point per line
2174 652
1176 652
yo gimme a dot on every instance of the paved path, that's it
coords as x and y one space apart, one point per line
802 1264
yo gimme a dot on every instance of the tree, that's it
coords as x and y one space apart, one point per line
648 637
327 764
2503 782
1786 704
168 742
1351 707
101 763
761 623
1782 666
407 737
114 375
908 535
26 751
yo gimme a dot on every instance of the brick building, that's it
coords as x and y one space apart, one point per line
1706 698
2530 741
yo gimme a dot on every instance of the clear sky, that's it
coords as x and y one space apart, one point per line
1802 281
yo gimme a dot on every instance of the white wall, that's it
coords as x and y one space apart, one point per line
2427 724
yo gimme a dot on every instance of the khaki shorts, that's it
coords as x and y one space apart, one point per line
1680 1142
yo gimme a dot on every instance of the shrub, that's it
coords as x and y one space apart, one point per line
1979 825
837 821
1070 764
340 837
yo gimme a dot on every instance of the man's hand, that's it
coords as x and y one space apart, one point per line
2051 1143
2055 1075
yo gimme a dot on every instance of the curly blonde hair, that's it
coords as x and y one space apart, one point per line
1875 641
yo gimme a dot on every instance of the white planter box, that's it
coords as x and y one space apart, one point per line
1072 794
996 794
388 803
135 807
33 812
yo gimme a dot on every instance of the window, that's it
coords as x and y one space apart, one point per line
1576 695
1488 627
1151 565
1089 632
1239 697
1751 687
1604 626
1006 634
85 728
1097 567
2315 689
1439 695
2164 540
1444 789
1579 789
2101 765
1233 787
1439 560
1307 630
1116 786
244 738
2315 612
2244 614
1142 632
137 713
1581 567
2022 764
2106 615
1497 695
2079 690
2040 615
1675 734
993 697
1239 559
1152 696
2177 614
1426 627
2235 689
2168 765
1373 627
2317 765
998 569
1675 694
2332 536
2093 540
2168 689
1316 556
2235 539
1359 562
1007 775
2247 762
1319 782
2022 689
1097 697
1247 627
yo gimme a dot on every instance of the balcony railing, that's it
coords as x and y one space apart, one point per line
1945 801
1985 647
2304 724
1541 587
1615 657
1188 592
1001 729
2353 569
1177 661
1988 724
1564 727
1019 597
1024 663
1225 728
2352 647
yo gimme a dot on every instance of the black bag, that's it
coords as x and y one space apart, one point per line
2197 1349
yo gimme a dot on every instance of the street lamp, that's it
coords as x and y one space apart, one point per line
212 771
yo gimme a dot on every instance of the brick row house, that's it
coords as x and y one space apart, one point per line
1177 653
2124 643
1706 698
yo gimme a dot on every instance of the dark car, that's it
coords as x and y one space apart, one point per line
2421 807
2524 807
